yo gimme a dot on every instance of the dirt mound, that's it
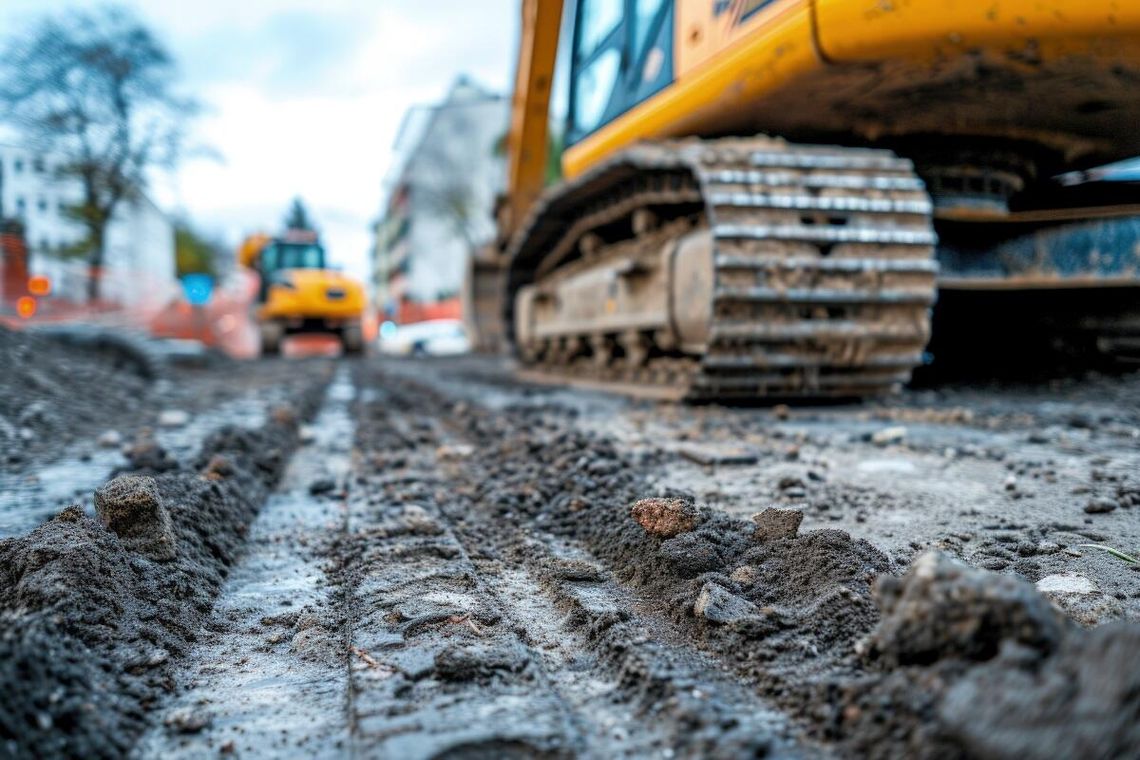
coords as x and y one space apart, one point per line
956 661
53 390
93 619
942 609
1080 702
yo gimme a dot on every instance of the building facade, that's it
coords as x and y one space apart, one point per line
447 168
139 261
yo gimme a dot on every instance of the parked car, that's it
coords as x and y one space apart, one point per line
435 337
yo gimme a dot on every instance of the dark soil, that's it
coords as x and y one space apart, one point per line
949 661
93 623
52 391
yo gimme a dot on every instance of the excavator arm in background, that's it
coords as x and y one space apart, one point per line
527 141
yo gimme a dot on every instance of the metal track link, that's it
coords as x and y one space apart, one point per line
824 287
824 266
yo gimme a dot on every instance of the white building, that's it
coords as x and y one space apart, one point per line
447 168
139 259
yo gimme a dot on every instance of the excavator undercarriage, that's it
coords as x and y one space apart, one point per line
738 267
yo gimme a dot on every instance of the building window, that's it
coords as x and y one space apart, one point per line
38 165
42 205
21 206
18 166
44 244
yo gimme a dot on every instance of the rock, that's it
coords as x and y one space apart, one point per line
1066 583
887 436
131 507
186 721
664 518
453 452
717 604
1100 506
218 468
775 523
146 454
790 482
419 521
745 574
284 414
172 418
321 486
944 609
110 439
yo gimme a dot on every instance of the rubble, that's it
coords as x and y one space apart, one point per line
664 518
775 523
717 605
132 508
942 609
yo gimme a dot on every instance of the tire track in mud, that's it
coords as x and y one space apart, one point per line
947 661
435 666
269 675
489 603
97 615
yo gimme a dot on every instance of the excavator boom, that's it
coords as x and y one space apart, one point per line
527 142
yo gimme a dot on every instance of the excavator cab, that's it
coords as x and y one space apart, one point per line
280 257
300 293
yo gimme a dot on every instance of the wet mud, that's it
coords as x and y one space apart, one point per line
451 564
95 612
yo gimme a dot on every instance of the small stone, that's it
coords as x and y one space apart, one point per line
1011 483
110 439
27 434
218 468
1100 506
781 411
745 574
1066 583
777 523
307 434
321 486
131 507
887 436
284 414
186 722
453 452
664 518
717 604
172 418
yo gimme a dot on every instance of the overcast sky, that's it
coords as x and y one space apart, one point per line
305 97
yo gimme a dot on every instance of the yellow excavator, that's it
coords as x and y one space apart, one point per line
763 197
299 293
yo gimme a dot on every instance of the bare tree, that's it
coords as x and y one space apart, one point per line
96 90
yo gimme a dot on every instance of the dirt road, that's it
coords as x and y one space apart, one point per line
430 559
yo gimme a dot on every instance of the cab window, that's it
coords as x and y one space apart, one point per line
622 54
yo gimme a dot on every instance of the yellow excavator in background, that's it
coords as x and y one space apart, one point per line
906 148
299 293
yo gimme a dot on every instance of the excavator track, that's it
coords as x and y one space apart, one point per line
822 271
